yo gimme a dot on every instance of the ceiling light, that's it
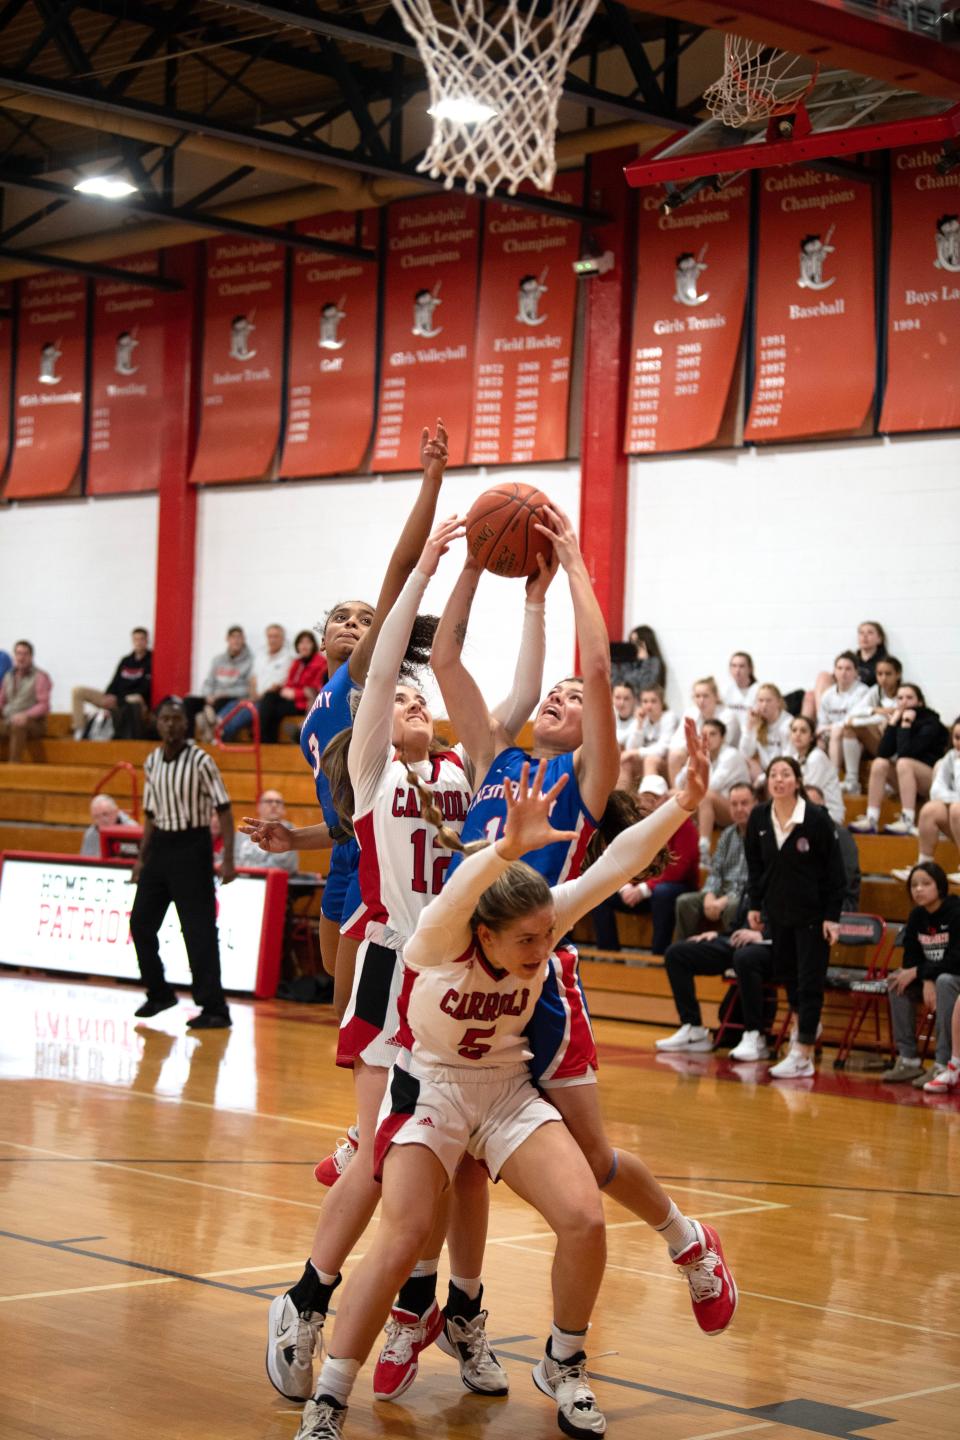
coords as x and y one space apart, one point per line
462 110
105 186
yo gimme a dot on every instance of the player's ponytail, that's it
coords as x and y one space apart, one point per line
333 763
621 811
431 812
416 657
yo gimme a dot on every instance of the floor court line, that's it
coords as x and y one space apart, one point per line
89 1289
854 1405
114 1094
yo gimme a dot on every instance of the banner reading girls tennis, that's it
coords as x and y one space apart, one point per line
923 307
242 361
6 369
48 392
333 351
528 298
815 334
687 319
126 383
428 327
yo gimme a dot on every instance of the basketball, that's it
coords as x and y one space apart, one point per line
501 529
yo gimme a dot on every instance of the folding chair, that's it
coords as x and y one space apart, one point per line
867 984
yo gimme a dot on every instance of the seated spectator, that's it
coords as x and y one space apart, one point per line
706 706
715 906
849 854
913 742
868 720
764 731
24 701
246 851
645 750
624 709
837 703
941 814
126 698
749 954
738 694
871 648
649 668
727 768
226 682
104 812
929 974
6 663
270 668
817 769
305 679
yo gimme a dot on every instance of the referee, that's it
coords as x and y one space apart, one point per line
182 788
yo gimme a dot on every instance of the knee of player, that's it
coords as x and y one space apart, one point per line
583 1223
599 1155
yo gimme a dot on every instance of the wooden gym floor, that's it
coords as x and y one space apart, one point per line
158 1190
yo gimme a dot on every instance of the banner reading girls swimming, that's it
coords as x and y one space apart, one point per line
815 329
126 383
923 307
333 351
528 298
428 327
242 361
687 319
6 369
48 392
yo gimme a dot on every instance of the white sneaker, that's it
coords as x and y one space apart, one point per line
863 825
565 1381
752 1047
466 1341
947 1080
851 787
902 874
292 1342
793 1067
692 1038
900 827
321 1420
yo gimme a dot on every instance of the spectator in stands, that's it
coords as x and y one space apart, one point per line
868 720
226 682
764 731
104 812
844 696
941 814
913 742
6 663
270 668
127 698
715 907
871 648
624 709
727 768
748 953
24 701
247 852
706 706
649 668
817 769
305 679
929 975
849 854
738 694
645 750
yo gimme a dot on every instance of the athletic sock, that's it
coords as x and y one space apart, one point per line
419 1291
873 813
564 1344
312 1292
852 750
464 1298
336 1380
909 816
924 859
677 1230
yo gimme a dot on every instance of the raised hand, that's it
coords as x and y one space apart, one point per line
540 581
698 768
439 543
433 452
271 835
560 532
528 825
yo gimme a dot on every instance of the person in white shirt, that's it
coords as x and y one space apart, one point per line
624 709
645 748
706 706
727 768
765 732
837 704
941 814
817 768
868 720
271 664
738 694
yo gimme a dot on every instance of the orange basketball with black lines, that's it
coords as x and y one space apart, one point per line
501 533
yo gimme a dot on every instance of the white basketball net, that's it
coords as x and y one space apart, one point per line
515 64
758 82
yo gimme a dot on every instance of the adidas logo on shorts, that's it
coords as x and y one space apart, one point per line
427 1121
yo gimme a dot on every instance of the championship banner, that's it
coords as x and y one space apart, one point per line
688 315
815 366
923 306
48 393
6 370
331 368
429 326
242 361
126 383
528 302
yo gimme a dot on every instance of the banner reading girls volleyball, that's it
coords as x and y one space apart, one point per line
428 327
6 370
528 298
333 350
48 393
126 383
815 330
242 361
923 307
688 315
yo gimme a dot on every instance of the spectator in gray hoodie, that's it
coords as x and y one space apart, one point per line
226 682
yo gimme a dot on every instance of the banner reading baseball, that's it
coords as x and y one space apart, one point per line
815 330
6 369
48 393
528 301
126 382
687 319
923 306
428 327
242 361
333 351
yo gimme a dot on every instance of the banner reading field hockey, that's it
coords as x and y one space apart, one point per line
48 391
923 306
428 327
242 361
688 316
6 370
333 351
126 383
528 299
815 331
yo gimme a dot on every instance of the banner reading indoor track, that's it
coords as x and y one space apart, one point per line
126 383
333 351
48 393
528 300
242 361
923 307
815 365
688 315
6 370
428 328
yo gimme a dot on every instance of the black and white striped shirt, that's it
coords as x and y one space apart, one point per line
181 794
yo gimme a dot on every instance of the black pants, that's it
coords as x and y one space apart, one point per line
689 958
800 959
179 868
662 906
273 708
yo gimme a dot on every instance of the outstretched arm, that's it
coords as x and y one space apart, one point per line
514 712
479 732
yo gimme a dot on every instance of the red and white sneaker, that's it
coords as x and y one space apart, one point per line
713 1290
330 1169
407 1335
946 1082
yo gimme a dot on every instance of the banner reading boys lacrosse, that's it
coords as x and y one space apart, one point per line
242 361
815 332
528 297
923 307
333 348
428 327
48 392
126 384
688 315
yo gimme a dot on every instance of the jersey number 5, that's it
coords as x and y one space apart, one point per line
469 1048
419 840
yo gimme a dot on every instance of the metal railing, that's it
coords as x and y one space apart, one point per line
134 788
245 747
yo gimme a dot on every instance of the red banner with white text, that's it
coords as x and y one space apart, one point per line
428 328
815 369
923 294
48 392
6 371
242 361
126 383
528 301
333 351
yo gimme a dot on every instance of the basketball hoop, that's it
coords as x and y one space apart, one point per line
507 72
758 82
